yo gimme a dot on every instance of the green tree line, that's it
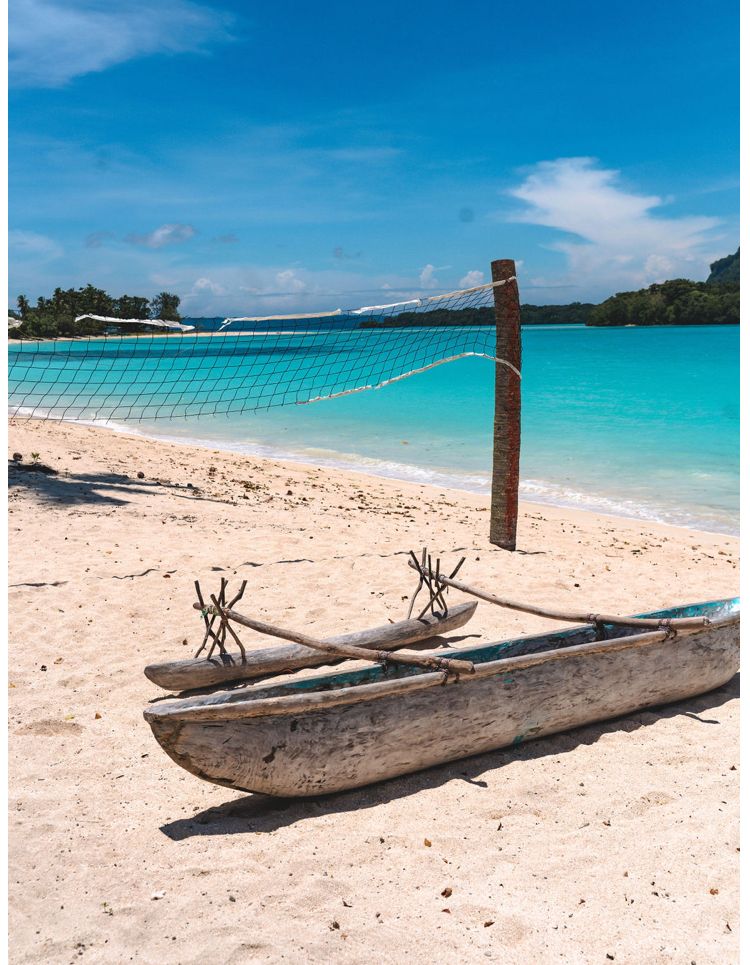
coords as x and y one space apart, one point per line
56 316
676 302
715 301
576 312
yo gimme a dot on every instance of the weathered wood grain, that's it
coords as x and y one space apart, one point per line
569 616
346 737
180 675
340 650
261 702
506 435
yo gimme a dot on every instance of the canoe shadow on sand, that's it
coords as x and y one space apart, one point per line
259 814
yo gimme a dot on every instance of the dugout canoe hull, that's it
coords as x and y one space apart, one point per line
344 730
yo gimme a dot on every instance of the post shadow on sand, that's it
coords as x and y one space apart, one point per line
260 814
94 489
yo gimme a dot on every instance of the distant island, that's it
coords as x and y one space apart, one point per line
715 301
575 313
680 301
55 317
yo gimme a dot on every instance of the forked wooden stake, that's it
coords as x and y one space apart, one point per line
421 580
341 650
209 624
684 623
218 639
225 622
434 583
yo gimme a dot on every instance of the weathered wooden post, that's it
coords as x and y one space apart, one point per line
506 446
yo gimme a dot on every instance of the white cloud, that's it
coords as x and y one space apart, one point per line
253 289
205 285
166 234
288 282
32 246
471 279
52 41
427 277
619 241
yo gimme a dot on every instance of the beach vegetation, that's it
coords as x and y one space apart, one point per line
165 306
55 317
680 301
575 313
676 302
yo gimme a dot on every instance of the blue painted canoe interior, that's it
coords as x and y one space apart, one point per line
485 653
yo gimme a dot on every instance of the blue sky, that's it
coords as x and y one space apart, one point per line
284 156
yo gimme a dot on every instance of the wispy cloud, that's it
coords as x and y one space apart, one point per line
227 290
98 238
206 285
29 245
619 239
166 234
358 155
53 41
260 289
289 282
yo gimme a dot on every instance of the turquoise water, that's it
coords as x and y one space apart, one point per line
642 422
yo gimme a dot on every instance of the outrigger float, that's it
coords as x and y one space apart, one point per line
347 728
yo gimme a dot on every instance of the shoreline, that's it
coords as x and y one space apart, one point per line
103 558
409 475
12 340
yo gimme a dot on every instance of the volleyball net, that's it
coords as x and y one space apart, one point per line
147 369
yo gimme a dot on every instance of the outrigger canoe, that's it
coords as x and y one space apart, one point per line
346 729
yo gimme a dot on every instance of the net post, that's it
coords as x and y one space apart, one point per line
506 447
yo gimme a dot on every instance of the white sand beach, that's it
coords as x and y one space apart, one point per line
617 842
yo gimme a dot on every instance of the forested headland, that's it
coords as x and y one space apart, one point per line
680 301
715 301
